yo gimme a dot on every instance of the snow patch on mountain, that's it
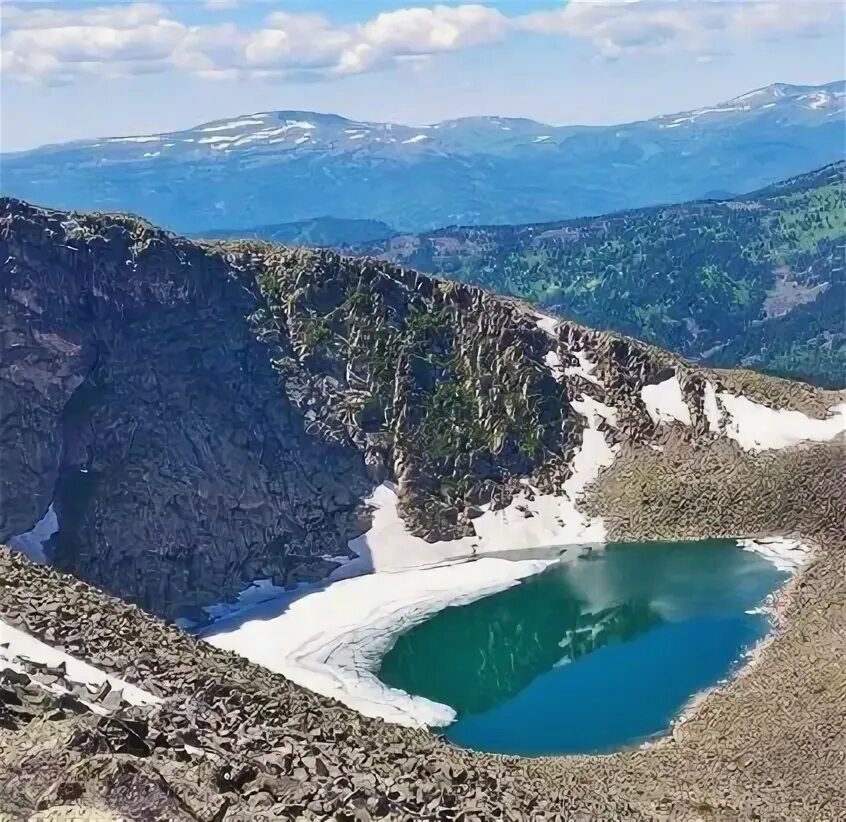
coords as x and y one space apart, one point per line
18 647
33 541
665 403
757 427
234 124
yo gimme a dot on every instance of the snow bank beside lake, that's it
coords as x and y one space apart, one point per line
332 640
785 554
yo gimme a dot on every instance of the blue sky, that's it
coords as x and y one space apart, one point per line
75 69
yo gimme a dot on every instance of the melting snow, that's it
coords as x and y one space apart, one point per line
818 100
234 124
548 324
418 138
150 139
664 402
595 410
758 427
552 360
32 542
16 645
217 139
542 138
332 640
785 554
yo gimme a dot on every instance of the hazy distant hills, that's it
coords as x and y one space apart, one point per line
756 281
279 167
328 232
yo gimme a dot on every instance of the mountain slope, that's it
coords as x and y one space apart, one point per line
179 420
757 280
277 167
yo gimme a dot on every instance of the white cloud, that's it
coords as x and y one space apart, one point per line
221 5
619 27
57 44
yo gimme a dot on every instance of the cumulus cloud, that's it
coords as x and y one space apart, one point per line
619 27
56 43
51 44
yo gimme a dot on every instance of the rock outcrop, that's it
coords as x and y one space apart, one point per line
136 398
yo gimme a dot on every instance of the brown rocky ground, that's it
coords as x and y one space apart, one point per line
770 745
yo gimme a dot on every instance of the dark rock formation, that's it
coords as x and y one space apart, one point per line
137 399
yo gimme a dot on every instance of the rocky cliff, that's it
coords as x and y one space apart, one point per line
197 416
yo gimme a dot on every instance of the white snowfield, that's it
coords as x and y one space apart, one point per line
753 426
332 640
235 124
757 427
148 139
17 646
785 554
665 403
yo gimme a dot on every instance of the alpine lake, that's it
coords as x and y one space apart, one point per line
592 655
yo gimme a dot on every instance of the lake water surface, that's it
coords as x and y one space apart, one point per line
591 655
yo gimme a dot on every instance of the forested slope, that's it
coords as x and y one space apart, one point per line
757 280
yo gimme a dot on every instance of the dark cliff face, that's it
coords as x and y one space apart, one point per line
136 398
204 415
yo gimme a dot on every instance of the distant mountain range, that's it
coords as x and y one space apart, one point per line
755 281
279 167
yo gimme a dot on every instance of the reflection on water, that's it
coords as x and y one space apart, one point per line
590 655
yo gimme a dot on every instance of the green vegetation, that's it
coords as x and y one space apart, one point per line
401 366
706 279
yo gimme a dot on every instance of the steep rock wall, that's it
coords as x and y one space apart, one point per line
137 399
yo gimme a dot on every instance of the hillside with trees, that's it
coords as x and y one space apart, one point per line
756 280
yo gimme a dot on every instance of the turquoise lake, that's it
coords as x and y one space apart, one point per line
592 655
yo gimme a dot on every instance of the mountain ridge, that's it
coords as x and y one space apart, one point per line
277 167
235 403
822 94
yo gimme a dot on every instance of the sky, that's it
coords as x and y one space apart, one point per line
78 69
